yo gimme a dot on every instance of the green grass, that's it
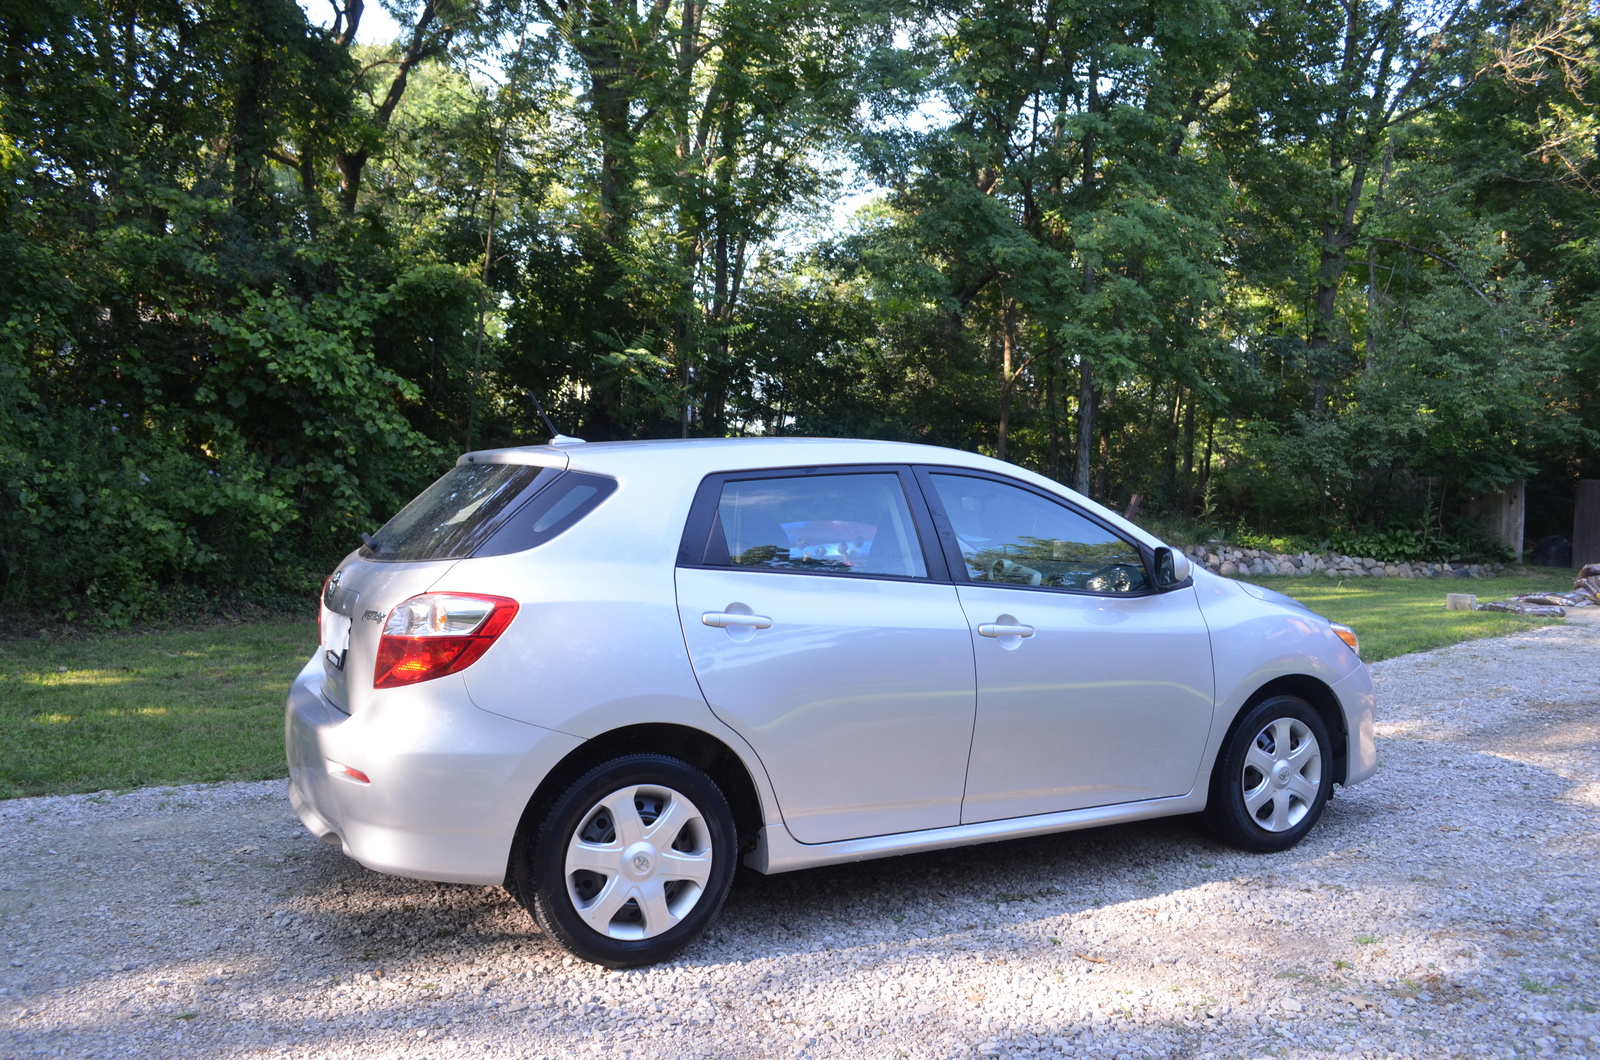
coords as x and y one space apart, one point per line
84 713
1396 616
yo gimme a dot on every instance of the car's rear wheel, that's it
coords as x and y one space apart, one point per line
632 862
1273 777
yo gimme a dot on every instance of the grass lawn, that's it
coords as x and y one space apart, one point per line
1395 616
84 713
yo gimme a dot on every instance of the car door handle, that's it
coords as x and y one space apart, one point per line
995 629
724 619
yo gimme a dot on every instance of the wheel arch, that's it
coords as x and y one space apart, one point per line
698 748
1322 700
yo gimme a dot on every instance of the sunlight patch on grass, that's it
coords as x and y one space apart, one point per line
85 713
86 679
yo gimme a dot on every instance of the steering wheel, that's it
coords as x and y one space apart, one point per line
1117 578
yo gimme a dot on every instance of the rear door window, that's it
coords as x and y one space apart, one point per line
851 524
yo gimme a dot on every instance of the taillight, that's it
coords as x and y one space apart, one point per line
435 634
322 611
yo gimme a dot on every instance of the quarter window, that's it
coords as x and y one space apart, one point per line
1011 536
458 513
834 524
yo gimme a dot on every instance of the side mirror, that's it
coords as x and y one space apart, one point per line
1172 569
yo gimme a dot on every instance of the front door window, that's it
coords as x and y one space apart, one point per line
1011 536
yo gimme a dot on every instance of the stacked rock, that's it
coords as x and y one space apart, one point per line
1228 561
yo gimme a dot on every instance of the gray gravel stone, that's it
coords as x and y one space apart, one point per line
1448 907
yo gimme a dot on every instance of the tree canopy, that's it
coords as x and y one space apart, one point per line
1312 269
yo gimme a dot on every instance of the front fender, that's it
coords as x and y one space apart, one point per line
1257 641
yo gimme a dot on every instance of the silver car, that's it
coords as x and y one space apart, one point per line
601 674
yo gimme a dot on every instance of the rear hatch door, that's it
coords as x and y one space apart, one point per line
445 524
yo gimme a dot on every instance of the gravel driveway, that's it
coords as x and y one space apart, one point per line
1446 908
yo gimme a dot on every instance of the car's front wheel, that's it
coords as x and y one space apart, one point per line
632 862
1273 777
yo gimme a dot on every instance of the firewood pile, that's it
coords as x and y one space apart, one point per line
1585 592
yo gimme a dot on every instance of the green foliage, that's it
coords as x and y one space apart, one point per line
1243 538
192 389
1319 271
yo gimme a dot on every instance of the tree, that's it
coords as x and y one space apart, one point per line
701 129
1070 220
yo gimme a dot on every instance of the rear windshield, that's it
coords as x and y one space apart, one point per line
458 513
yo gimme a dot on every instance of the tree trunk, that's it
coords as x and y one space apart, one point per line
1087 395
422 44
1086 406
616 147
1170 477
1008 379
691 222
1053 411
248 139
1102 471
1371 345
1188 451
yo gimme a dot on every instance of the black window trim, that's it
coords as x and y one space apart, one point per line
958 564
697 540
541 502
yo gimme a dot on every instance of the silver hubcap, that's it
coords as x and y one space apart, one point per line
639 862
1282 774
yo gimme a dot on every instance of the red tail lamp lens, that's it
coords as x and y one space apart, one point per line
436 634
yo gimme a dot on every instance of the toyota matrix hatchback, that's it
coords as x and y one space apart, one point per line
601 674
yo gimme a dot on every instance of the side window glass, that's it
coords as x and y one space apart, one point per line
840 524
568 499
1015 537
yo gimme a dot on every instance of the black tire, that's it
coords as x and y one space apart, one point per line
649 893
1267 801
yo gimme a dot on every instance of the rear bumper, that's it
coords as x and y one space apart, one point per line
1359 703
449 782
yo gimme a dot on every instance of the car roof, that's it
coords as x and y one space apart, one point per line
694 458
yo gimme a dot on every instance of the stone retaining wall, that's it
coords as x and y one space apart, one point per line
1228 561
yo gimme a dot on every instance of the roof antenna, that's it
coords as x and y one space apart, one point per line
556 437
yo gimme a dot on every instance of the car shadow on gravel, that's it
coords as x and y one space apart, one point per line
984 897
970 897
370 920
